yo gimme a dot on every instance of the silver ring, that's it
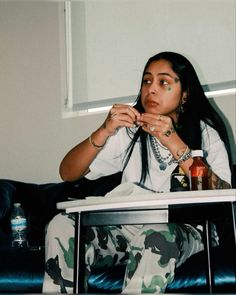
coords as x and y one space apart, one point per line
168 133
152 128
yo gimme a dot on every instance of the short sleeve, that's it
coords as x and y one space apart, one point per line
215 152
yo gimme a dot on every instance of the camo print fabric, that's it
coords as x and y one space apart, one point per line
151 253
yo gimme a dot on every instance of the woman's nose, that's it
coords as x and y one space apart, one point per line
153 88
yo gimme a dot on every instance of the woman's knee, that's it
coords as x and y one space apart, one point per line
60 224
160 239
167 232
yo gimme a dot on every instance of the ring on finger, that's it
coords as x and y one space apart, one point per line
169 132
152 128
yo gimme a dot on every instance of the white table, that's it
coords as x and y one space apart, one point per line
150 208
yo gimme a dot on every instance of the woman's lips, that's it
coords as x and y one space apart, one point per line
151 103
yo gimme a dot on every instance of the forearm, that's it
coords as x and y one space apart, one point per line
77 161
177 147
180 151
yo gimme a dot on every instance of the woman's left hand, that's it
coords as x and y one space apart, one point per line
159 126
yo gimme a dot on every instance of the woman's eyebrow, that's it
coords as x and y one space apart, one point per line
176 79
147 73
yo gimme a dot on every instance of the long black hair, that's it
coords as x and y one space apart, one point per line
197 108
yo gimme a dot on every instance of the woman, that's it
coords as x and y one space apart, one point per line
171 117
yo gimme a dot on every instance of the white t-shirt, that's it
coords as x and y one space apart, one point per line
111 160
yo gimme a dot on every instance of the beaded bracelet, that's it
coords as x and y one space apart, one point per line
185 156
97 147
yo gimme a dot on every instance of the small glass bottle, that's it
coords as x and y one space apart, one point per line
19 227
198 172
178 180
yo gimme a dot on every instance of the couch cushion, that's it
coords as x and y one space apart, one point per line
21 270
191 277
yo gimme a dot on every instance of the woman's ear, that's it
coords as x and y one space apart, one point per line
184 97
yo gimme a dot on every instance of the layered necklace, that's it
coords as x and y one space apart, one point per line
163 161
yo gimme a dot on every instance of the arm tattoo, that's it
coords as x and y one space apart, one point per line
215 182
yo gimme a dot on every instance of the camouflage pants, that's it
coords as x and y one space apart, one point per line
151 253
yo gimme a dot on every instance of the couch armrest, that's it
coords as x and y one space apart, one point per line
7 191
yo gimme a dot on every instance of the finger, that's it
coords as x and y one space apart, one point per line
160 121
129 112
148 116
151 129
112 114
150 120
122 108
124 120
136 113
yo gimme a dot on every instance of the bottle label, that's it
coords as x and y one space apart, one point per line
18 224
199 183
179 182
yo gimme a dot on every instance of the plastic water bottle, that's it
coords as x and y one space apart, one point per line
19 227
198 172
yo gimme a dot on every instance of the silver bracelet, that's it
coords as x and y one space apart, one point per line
185 156
97 147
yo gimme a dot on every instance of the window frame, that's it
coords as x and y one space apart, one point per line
73 109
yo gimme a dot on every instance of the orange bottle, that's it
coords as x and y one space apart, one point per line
198 172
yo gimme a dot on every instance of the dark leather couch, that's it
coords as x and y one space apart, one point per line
21 270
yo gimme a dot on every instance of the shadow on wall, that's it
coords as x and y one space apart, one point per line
229 129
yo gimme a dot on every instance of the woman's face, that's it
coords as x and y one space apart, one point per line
161 91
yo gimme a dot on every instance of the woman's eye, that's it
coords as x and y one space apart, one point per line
147 81
164 82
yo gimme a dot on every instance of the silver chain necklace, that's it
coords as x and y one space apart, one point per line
163 161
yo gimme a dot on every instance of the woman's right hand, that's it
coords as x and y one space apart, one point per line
77 161
120 115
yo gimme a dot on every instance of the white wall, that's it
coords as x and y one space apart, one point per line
34 136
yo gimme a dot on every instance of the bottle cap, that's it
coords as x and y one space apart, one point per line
17 204
197 153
